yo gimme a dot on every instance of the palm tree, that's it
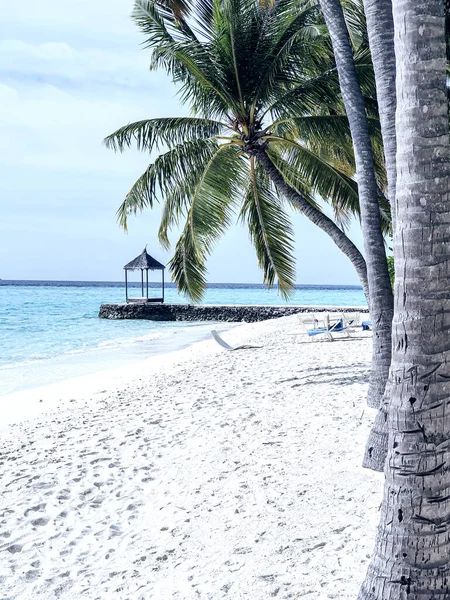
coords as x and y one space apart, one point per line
380 28
245 68
381 33
381 300
412 551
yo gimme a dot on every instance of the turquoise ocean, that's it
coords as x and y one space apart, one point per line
50 331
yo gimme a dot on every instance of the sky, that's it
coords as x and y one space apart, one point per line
70 74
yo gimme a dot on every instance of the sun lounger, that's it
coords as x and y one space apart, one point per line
366 325
352 318
338 327
224 344
317 321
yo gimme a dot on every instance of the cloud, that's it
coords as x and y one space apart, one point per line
83 78
106 21
53 129
70 74
62 65
60 102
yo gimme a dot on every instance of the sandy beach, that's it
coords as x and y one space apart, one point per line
201 474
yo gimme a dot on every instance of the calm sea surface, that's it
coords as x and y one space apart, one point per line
49 331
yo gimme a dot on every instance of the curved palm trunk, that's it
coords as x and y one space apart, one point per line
381 301
412 551
380 27
318 218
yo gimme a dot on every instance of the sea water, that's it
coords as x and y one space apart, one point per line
50 331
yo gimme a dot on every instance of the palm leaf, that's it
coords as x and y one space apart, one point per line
355 19
176 47
324 178
217 191
283 39
153 133
270 231
172 175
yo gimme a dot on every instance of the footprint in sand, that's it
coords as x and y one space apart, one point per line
37 508
40 522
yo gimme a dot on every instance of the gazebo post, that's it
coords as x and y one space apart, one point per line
162 270
126 285
146 279
142 282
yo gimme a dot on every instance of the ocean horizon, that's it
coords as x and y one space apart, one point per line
50 330
153 284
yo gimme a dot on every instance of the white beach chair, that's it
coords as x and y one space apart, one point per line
224 344
330 330
351 321
308 320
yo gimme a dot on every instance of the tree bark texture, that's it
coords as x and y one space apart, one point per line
318 218
380 28
412 551
377 443
380 291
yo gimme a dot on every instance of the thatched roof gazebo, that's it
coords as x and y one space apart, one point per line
144 262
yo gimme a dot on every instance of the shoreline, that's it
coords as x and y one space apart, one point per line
27 404
112 354
31 393
200 477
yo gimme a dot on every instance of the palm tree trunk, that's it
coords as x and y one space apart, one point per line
318 218
412 551
377 443
380 28
381 301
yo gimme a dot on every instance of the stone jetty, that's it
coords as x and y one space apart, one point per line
211 312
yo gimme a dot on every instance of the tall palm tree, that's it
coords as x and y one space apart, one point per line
380 24
245 68
412 551
380 28
381 300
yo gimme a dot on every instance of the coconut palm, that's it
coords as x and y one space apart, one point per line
412 551
380 29
380 26
267 126
381 300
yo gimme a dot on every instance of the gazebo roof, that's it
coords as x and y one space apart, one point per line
144 261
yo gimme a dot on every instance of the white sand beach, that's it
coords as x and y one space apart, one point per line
202 474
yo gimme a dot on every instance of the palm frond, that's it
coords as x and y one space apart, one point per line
319 129
293 178
216 193
270 231
324 179
328 136
154 133
326 175
308 97
172 175
176 47
285 36
355 19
